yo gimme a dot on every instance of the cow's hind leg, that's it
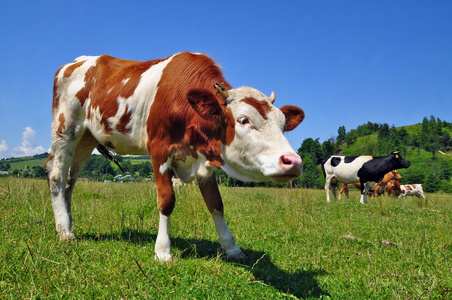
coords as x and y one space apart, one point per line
57 168
347 192
209 190
327 187
342 189
66 134
81 155
333 190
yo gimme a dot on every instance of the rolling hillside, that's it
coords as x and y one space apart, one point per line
365 144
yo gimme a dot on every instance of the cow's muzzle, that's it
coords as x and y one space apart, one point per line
291 166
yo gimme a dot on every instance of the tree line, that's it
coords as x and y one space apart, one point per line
99 168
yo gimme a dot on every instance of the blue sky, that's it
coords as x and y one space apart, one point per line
344 62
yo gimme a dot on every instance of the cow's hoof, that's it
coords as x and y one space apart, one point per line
238 256
70 237
163 258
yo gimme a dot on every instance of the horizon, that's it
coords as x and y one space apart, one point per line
95 152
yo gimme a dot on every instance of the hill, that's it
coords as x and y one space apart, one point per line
427 145
367 144
28 166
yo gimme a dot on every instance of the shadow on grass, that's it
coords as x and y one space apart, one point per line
301 283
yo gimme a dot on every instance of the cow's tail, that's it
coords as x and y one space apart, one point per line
108 155
322 163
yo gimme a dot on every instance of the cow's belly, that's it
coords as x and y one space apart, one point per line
132 142
345 177
126 145
124 128
187 168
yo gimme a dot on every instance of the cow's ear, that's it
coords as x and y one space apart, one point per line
294 116
205 104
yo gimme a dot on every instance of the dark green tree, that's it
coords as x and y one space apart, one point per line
40 172
445 172
96 167
432 184
4 165
446 186
311 148
384 131
127 167
351 137
312 177
145 169
341 132
328 148
413 175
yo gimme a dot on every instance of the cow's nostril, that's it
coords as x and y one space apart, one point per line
285 160
291 163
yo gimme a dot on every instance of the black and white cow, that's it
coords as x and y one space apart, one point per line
367 170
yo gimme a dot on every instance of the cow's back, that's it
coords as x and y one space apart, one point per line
124 103
171 117
344 168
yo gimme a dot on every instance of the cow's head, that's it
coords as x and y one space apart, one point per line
253 145
398 160
395 187
395 175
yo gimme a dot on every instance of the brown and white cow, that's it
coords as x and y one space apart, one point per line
393 188
380 186
174 110
412 190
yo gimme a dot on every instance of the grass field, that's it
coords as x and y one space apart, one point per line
298 246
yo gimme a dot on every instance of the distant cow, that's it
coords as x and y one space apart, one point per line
346 188
183 113
412 190
393 188
377 189
392 175
366 170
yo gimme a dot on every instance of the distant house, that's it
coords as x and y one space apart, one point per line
4 173
122 178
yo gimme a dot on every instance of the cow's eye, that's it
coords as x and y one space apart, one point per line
243 120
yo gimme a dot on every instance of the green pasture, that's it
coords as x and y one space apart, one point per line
298 246
27 164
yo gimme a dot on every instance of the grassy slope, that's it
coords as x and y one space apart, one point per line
370 141
31 162
298 245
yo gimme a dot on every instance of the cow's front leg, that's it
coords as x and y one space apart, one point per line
163 243
165 202
209 190
364 190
